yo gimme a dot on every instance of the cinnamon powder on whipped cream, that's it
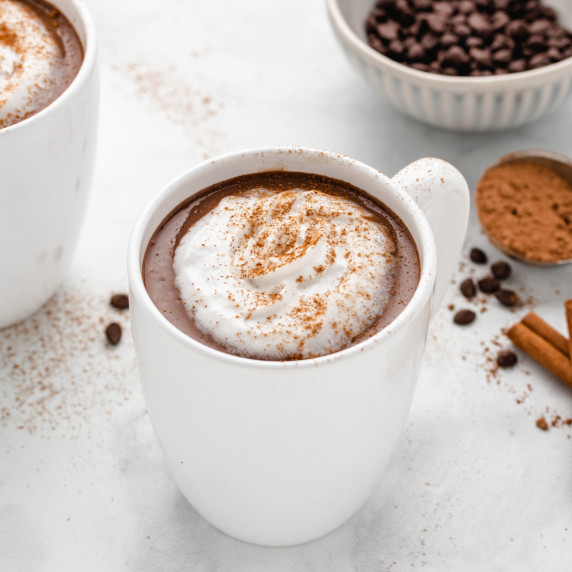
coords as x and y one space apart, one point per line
281 265
526 207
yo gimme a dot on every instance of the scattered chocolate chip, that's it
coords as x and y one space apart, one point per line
489 285
478 256
506 358
113 333
501 269
464 317
120 301
468 288
507 297
541 423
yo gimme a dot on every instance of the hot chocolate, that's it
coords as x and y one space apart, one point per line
281 265
40 54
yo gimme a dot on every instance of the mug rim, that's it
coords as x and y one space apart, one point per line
83 74
425 246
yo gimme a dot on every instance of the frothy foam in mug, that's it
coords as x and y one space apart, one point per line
273 275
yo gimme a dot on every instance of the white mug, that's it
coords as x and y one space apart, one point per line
279 453
46 164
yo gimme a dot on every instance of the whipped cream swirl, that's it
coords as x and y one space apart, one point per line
285 275
30 62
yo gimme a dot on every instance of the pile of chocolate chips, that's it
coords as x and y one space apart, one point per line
468 37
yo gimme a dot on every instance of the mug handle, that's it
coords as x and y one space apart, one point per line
443 195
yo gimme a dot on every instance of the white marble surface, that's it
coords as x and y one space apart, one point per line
473 484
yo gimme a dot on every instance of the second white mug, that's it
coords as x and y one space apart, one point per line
46 164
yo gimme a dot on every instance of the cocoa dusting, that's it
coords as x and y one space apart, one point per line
57 375
182 102
526 207
541 423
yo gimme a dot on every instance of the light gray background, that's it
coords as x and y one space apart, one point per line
473 484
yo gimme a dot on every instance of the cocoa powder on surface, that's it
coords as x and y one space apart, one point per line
526 207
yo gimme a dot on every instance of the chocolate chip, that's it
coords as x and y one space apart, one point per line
422 5
507 297
449 39
480 24
506 358
388 31
501 269
502 42
466 6
548 12
416 53
444 8
462 30
429 42
539 26
517 66
499 20
501 4
478 256
468 288
457 57
489 285
397 49
464 317
554 54
407 18
474 42
502 57
536 43
120 301
113 333
517 29
437 24
539 61
482 58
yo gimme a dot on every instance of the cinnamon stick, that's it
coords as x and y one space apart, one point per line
539 326
541 350
568 306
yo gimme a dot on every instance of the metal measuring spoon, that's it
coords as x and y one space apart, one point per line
559 163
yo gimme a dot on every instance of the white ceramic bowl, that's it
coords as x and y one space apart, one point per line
456 103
